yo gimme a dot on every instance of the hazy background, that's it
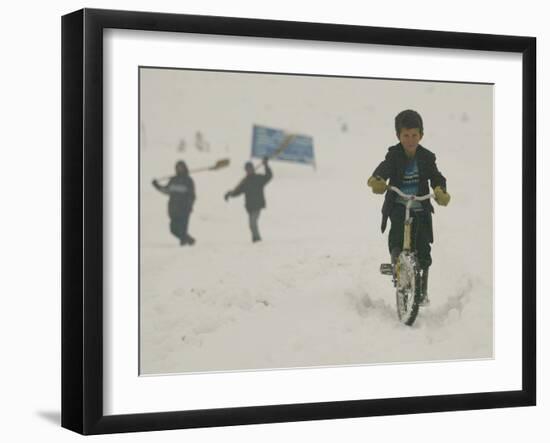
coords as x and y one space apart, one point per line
310 293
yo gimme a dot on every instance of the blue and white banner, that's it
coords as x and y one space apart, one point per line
282 145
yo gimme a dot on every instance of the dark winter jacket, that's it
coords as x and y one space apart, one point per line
181 190
253 188
393 167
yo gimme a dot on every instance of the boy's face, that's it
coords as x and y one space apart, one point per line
409 138
181 169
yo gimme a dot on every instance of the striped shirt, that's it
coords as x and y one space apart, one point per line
409 184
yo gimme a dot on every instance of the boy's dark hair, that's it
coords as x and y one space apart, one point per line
408 119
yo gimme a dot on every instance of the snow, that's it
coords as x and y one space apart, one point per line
310 294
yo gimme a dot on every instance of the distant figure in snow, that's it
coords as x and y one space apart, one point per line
411 168
200 142
181 190
181 145
252 186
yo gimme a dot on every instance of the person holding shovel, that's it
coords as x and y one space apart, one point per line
181 192
252 186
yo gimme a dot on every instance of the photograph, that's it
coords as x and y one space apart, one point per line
297 218
295 221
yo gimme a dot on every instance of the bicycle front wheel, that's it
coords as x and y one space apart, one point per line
408 287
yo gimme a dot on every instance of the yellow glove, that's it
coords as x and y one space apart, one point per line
441 197
377 184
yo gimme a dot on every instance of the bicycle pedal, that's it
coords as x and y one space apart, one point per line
386 269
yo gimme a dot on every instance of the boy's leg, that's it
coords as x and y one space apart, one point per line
178 227
425 298
421 239
174 227
185 238
253 223
421 242
181 229
395 237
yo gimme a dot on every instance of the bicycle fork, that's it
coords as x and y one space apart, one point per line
388 268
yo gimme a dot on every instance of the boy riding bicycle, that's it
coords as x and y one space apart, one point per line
409 167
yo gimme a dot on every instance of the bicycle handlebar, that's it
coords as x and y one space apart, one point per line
410 196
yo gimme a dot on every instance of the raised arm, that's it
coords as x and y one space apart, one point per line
268 173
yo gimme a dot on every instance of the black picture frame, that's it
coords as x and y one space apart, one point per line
82 220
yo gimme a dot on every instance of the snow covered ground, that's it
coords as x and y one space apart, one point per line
310 294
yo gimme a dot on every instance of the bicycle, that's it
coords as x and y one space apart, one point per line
405 271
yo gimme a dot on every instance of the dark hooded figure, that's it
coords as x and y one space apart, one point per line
181 190
252 186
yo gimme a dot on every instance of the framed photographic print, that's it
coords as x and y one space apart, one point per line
269 221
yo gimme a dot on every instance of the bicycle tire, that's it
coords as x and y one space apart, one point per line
408 287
